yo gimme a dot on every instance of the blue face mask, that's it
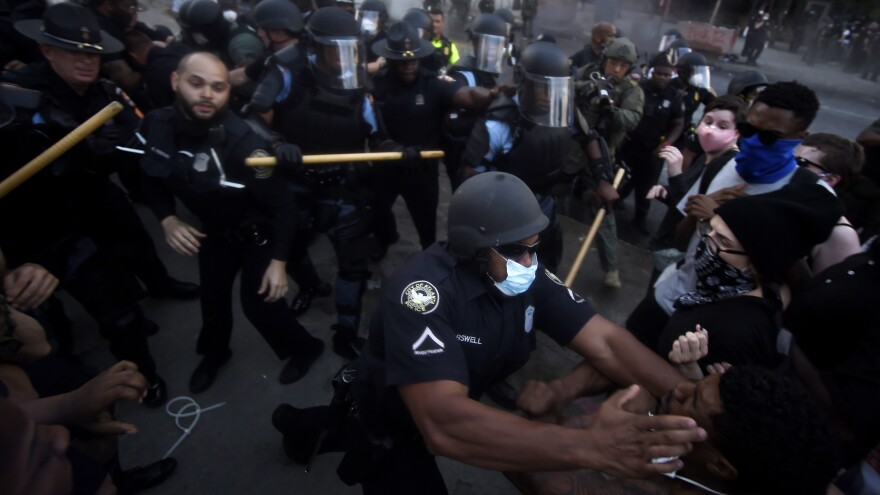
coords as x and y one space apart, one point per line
758 163
519 278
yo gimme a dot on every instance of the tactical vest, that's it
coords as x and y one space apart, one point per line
327 122
538 154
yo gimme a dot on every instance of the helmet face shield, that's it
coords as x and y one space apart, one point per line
666 41
701 77
546 101
369 20
339 62
676 53
489 52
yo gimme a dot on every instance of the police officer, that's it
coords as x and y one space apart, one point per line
195 151
71 93
445 50
327 110
530 138
481 69
80 226
413 103
458 316
660 126
693 81
601 34
609 103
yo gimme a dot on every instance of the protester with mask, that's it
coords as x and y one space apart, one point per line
661 124
451 321
717 135
776 123
373 18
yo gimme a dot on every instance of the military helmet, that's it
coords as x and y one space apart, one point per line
421 20
278 14
745 81
491 24
507 15
492 209
622 49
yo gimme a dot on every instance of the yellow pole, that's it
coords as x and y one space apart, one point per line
59 148
271 161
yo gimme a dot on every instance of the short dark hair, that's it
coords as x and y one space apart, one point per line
437 11
728 102
843 157
794 96
774 434
660 60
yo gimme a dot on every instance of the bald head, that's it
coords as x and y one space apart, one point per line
602 34
201 82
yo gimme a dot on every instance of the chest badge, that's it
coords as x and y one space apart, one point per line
420 99
530 318
262 172
666 103
200 162
420 296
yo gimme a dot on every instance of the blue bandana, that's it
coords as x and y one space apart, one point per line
761 164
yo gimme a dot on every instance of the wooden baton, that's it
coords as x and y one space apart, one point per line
59 148
591 234
271 161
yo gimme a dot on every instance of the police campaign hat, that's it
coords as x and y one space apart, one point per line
402 42
71 26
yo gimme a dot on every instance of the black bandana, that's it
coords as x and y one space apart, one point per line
716 279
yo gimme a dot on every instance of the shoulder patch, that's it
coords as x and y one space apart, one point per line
553 277
262 172
420 296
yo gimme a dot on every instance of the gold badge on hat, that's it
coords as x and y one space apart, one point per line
407 52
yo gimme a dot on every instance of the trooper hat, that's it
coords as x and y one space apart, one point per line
402 42
71 26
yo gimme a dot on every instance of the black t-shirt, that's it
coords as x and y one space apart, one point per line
742 330
437 320
662 106
414 114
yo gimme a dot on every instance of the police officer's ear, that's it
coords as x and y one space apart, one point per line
175 80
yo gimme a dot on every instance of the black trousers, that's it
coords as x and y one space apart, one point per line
645 170
418 185
220 260
410 469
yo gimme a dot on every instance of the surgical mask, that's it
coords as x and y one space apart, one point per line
759 163
713 139
230 15
519 278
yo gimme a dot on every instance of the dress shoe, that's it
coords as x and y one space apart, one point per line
298 366
206 372
144 477
157 393
346 342
173 289
302 301
503 394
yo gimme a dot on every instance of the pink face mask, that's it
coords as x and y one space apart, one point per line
713 139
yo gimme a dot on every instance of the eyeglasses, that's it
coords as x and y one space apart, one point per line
803 162
516 250
768 138
703 229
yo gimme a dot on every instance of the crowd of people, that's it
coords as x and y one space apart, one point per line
767 250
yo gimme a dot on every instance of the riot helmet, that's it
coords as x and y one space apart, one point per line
336 49
492 209
668 38
544 88
677 49
744 83
346 5
373 15
203 24
508 17
421 20
278 14
694 69
489 37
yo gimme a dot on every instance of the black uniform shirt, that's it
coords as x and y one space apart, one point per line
437 320
193 176
662 106
414 114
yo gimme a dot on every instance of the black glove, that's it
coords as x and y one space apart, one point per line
289 156
411 153
105 140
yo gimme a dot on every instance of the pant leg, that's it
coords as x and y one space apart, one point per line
281 330
606 242
219 262
550 250
647 177
386 187
421 192
411 469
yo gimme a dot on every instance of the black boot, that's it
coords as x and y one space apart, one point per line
298 366
206 372
346 342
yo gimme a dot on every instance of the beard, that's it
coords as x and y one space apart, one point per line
189 109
